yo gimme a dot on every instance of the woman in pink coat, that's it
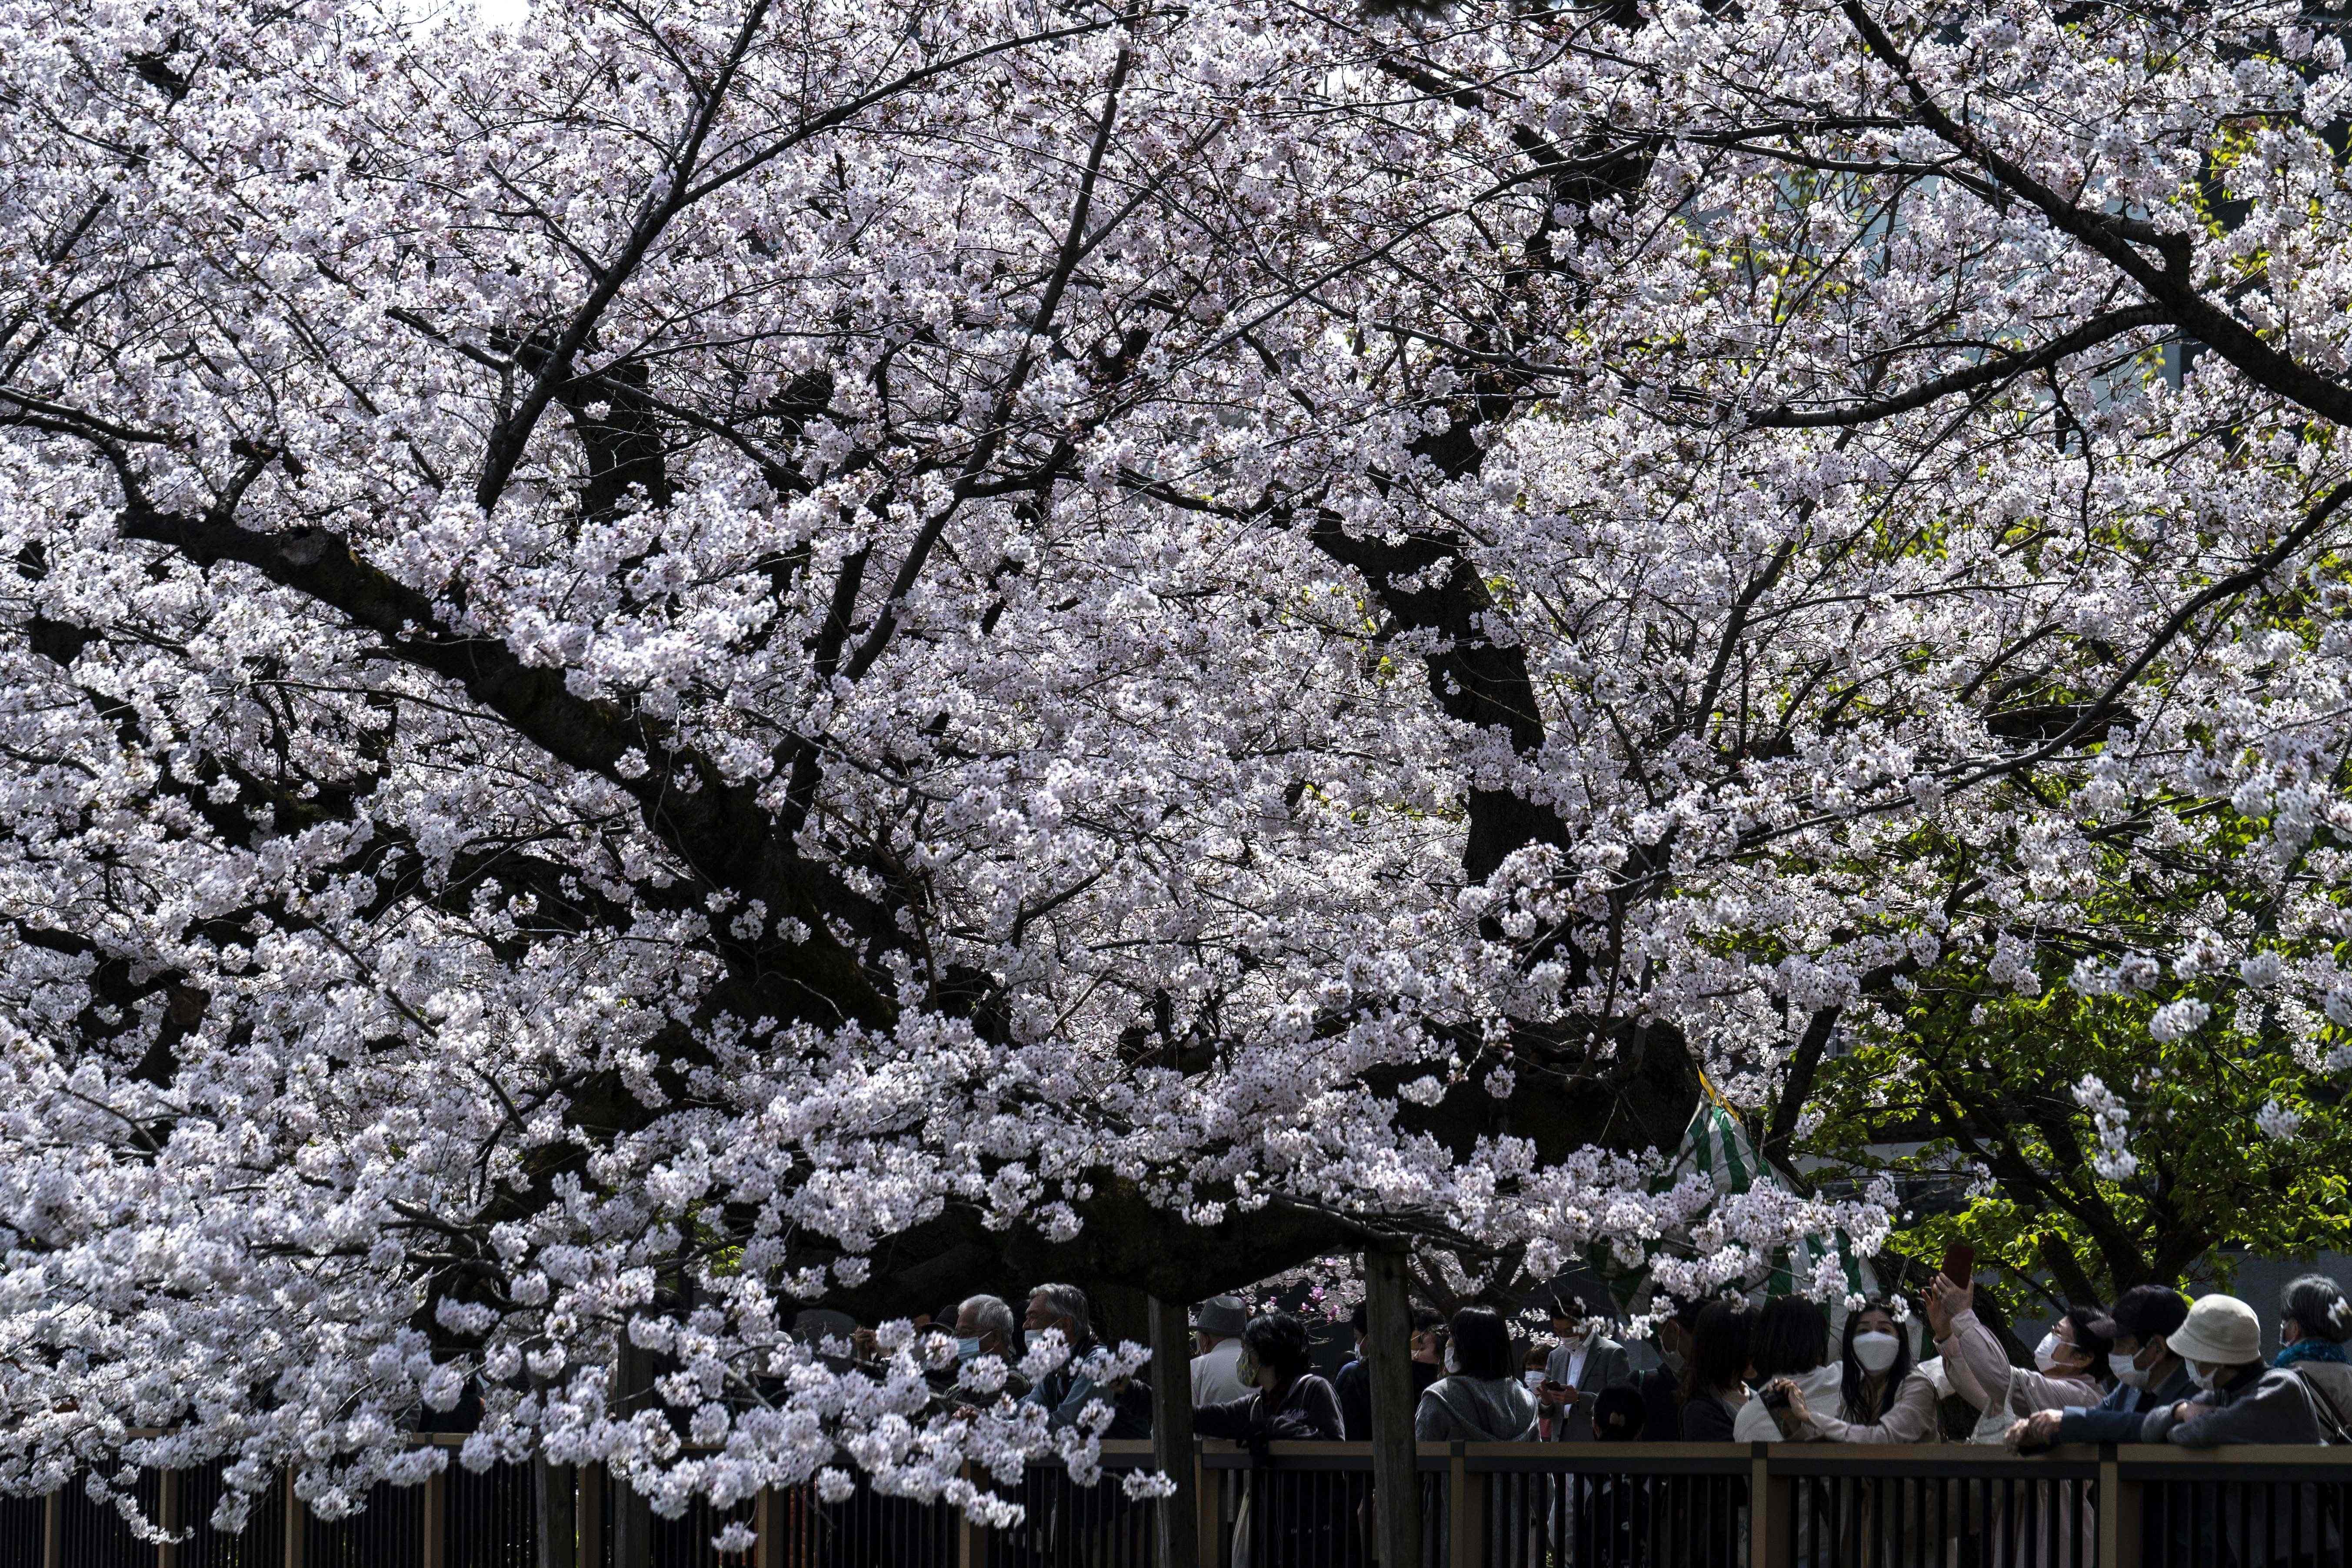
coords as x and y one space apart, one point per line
2070 1364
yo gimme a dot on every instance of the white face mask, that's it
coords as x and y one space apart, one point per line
2127 1370
2205 1377
1875 1351
1451 1366
2045 1354
1533 1377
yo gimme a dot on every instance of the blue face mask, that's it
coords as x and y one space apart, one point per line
967 1350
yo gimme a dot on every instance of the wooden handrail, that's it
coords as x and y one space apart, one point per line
2108 1484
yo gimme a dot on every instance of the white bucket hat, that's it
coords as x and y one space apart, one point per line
2222 1330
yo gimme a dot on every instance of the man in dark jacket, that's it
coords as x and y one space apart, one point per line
1661 1386
1354 1384
2243 1401
2148 1376
1066 1392
1584 1363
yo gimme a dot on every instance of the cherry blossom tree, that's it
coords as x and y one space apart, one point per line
684 661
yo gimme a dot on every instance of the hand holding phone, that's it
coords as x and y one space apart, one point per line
1959 1264
1785 1402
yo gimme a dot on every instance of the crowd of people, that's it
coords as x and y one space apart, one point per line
2154 1367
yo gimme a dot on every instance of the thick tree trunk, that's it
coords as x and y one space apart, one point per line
1171 1434
1396 1480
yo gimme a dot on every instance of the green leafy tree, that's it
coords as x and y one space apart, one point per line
2131 1094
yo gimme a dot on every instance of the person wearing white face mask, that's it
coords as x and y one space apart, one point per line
2148 1374
1582 1365
2070 1364
1480 1399
2314 1320
2241 1400
984 1325
1882 1398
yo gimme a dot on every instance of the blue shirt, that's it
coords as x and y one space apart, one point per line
2118 1417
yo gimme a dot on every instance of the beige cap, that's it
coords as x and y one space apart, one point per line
2222 1330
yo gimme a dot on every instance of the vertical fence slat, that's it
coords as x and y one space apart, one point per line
293 1553
1763 1519
167 1517
432 1548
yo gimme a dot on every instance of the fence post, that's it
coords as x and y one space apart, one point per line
1171 1431
436 1553
2119 1513
632 1521
297 1539
167 1515
592 1516
972 1546
555 1503
1208 1500
1396 1478
767 1524
53 1524
1770 1510
1466 1511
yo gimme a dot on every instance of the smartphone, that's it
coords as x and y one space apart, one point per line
1959 1263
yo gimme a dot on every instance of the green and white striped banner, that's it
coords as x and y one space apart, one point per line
1717 1147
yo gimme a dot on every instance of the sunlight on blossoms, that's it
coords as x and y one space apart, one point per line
726 724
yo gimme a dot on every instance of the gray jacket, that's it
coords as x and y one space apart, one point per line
1459 1409
1605 1366
2332 1381
2260 1404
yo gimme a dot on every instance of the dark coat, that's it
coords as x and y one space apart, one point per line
1707 1419
1662 1406
1354 1387
1308 1411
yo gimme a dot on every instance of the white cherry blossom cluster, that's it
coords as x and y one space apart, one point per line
665 665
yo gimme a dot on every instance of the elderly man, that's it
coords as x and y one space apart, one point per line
984 1326
1216 1372
1066 1392
2242 1401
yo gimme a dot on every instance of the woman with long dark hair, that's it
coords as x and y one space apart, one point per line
1715 1389
1883 1398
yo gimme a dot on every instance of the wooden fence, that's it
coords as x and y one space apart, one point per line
1311 1505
